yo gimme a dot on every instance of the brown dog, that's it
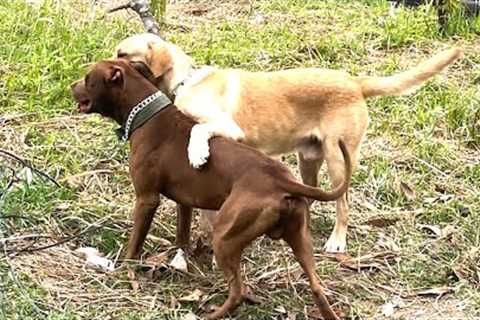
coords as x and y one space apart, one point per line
305 110
255 194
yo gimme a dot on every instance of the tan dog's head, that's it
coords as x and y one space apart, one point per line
169 64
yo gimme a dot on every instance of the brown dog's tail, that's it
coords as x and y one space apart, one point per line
410 80
301 190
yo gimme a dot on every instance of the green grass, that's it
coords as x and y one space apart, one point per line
429 141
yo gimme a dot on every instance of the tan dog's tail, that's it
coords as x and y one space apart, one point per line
410 80
301 190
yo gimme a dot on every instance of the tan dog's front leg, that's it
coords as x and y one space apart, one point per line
184 222
145 208
198 149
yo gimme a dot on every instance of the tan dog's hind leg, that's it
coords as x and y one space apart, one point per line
337 242
309 169
207 219
298 237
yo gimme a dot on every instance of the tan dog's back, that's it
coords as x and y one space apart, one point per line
298 100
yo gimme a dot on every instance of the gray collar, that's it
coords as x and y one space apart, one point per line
141 113
193 76
182 83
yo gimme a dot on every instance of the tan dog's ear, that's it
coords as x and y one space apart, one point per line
159 59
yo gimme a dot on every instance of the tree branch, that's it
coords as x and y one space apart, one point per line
142 8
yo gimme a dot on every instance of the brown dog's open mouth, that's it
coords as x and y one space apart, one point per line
84 106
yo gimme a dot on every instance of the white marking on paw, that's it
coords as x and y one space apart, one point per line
198 149
235 132
336 243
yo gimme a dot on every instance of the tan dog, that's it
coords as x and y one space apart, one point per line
304 110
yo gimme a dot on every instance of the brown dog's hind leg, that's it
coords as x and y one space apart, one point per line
298 237
240 220
184 222
228 256
145 207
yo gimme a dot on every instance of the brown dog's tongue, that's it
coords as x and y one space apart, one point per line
84 106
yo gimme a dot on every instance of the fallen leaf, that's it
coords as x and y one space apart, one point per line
157 260
133 282
388 309
203 252
407 191
436 231
356 264
178 262
448 230
189 316
95 259
281 309
291 315
440 291
195 295
387 243
381 222
174 302
314 313
88 251
159 241
250 296
62 206
430 200
27 174
460 272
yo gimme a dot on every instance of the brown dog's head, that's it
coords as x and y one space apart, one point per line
168 62
112 87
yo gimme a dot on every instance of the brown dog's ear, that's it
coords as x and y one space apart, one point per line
116 75
143 68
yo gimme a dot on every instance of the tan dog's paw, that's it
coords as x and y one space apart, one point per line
236 133
336 243
198 154
198 149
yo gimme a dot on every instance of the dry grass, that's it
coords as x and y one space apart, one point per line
401 243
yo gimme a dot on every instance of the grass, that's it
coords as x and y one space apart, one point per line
429 141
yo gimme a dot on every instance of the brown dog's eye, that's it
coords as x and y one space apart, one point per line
121 54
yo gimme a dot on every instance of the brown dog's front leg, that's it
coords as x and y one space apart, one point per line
145 208
184 222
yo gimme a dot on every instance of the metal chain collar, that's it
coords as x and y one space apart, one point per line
139 107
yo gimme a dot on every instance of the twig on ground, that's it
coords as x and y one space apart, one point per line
25 164
62 241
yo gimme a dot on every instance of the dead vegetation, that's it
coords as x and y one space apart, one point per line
413 237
